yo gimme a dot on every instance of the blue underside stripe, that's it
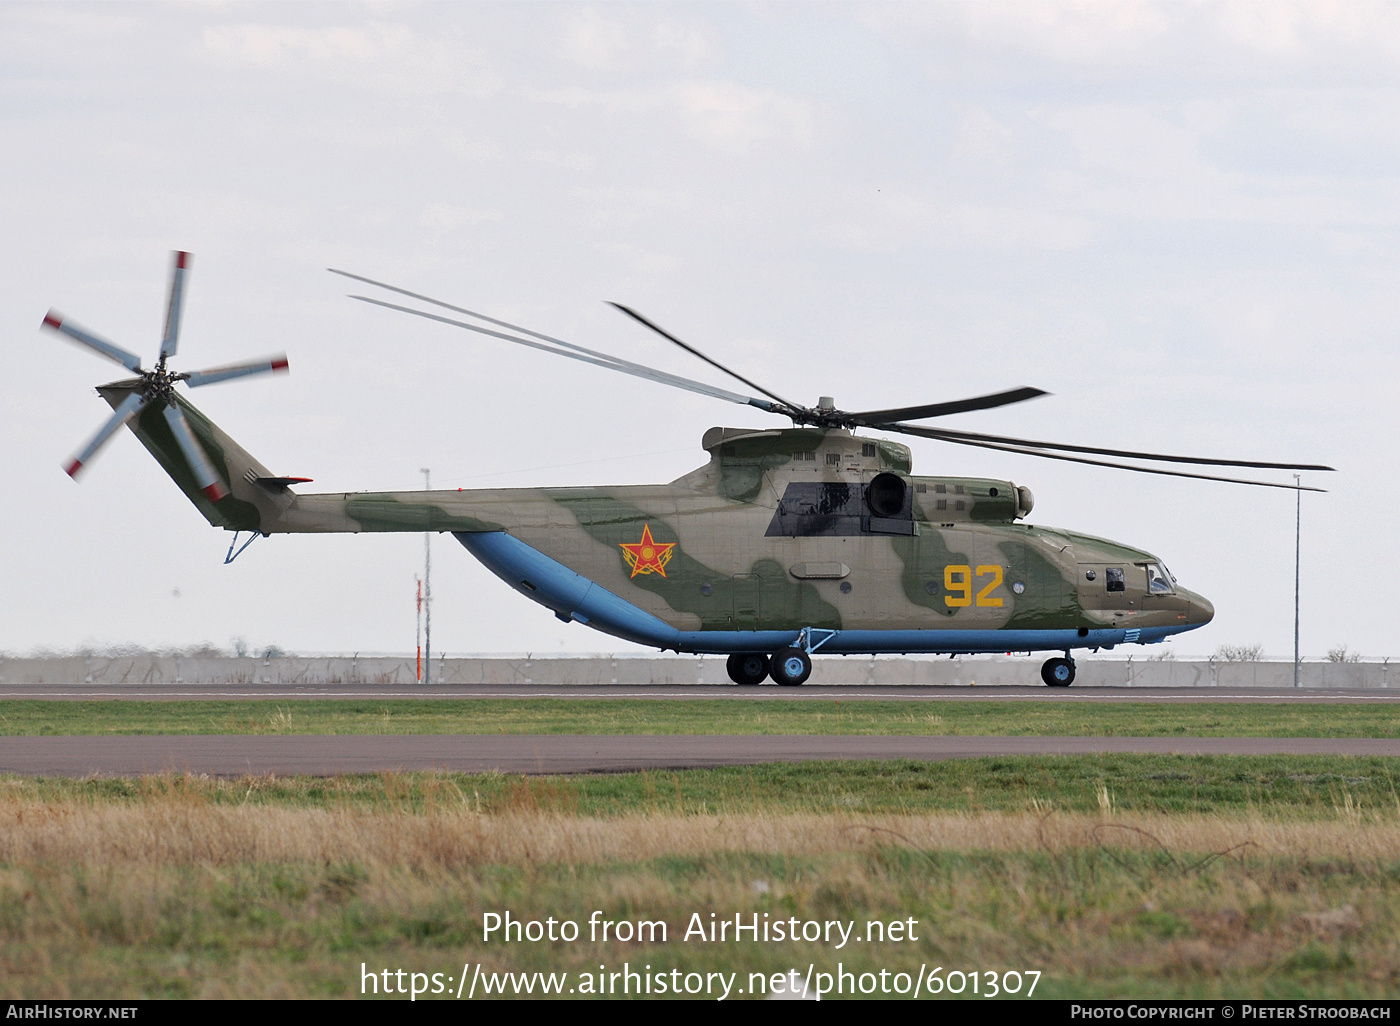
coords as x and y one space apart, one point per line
574 597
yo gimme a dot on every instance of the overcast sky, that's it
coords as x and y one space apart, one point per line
1180 219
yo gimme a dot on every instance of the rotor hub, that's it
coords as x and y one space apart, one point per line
159 384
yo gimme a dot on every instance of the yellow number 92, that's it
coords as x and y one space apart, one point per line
958 581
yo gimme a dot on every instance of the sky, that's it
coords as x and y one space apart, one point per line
1180 219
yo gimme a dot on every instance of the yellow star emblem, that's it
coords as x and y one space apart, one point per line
648 555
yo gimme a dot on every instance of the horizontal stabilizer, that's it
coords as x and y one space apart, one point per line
277 483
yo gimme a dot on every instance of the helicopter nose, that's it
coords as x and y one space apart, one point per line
1200 612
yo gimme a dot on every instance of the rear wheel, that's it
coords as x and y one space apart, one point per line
1058 672
747 667
790 667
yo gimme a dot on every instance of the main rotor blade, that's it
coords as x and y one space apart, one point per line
598 358
959 439
53 319
235 370
1127 453
614 362
870 418
125 411
205 476
170 338
583 355
695 352
470 313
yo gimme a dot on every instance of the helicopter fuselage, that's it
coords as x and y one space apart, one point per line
808 536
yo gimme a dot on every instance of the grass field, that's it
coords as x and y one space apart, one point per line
1270 786
1116 876
714 716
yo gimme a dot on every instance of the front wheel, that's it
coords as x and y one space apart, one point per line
747 667
1058 672
790 667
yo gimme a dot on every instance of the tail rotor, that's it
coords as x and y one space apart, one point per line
130 407
157 387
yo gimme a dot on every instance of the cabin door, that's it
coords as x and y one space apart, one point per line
748 601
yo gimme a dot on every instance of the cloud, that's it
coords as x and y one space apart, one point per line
442 218
286 44
665 45
1075 31
721 114
983 139
380 55
1221 39
592 41
728 114
904 219
1311 27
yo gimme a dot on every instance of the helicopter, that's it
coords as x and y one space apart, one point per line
788 542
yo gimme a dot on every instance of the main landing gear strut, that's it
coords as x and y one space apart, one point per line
787 666
792 666
1058 672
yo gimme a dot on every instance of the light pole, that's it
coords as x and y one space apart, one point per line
427 589
1297 566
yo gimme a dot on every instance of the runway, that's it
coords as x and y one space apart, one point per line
238 755
809 692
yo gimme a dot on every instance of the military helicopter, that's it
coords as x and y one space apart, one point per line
788 542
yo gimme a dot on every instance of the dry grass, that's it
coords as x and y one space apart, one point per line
203 834
243 902
177 886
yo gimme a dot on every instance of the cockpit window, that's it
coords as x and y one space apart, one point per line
1113 578
1159 580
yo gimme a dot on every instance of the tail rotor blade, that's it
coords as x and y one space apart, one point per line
54 320
124 413
270 364
204 473
170 339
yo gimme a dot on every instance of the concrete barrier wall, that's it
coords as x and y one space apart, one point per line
154 669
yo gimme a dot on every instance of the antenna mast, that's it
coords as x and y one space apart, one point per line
1297 568
427 591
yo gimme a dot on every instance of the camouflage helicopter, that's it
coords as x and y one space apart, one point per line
787 542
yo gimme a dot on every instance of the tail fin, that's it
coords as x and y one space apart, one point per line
248 505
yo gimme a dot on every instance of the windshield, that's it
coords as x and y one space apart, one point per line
1159 580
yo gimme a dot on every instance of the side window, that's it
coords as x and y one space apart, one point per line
1159 582
1113 578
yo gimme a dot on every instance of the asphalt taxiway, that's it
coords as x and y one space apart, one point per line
809 692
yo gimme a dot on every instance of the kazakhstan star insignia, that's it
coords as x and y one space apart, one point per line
647 556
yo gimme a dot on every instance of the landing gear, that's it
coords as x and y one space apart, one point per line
790 667
747 667
1058 672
